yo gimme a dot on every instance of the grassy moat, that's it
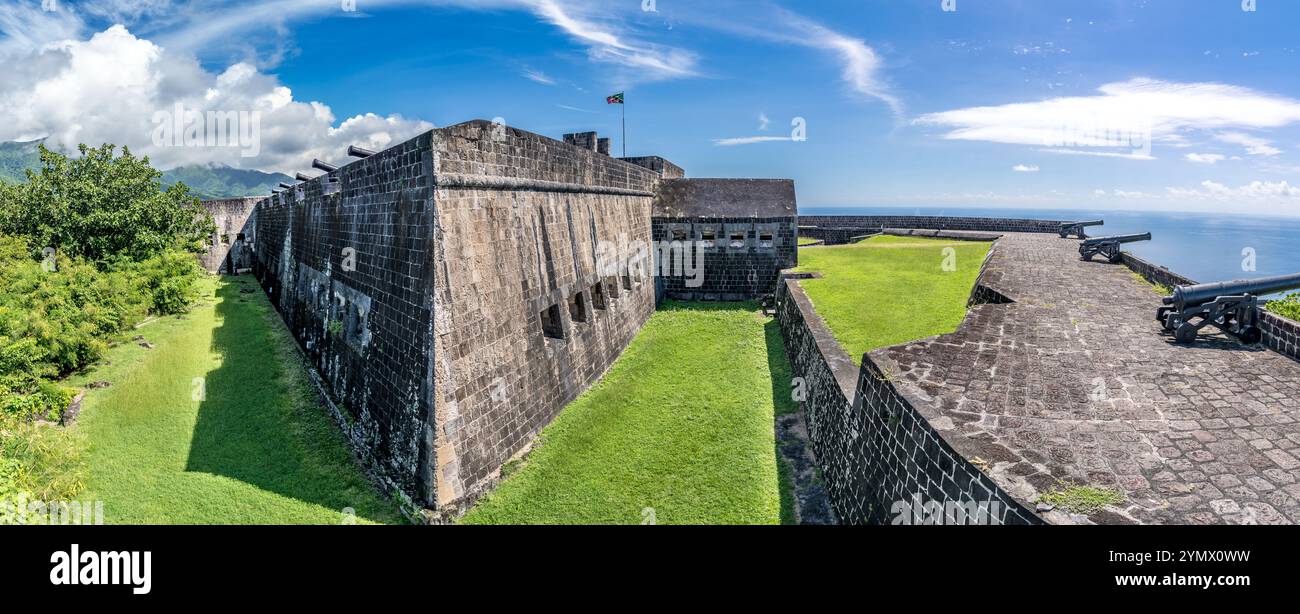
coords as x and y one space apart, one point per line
217 423
888 290
680 431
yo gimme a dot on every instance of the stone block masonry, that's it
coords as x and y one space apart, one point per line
839 229
446 292
881 458
525 322
351 273
740 233
228 248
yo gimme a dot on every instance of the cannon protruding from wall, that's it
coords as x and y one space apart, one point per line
320 165
286 185
357 152
1230 306
1076 228
1110 247
304 177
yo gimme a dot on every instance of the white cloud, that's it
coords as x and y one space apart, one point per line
1205 158
1022 168
1269 192
862 66
537 76
1126 109
750 140
107 90
1255 146
763 121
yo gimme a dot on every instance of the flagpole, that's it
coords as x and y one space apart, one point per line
624 105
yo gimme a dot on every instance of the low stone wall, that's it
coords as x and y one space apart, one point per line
1280 334
1154 273
838 229
882 461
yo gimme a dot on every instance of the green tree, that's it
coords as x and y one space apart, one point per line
102 207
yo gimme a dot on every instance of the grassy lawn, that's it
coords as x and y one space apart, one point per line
217 424
888 290
808 241
681 425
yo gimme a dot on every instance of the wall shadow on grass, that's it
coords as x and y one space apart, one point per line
778 364
260 421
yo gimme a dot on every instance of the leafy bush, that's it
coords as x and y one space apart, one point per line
1288 307
53 322
100 206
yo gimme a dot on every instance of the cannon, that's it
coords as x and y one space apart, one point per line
357 152
318 164
1076 228
1110 247
286 186
1230 306
304 177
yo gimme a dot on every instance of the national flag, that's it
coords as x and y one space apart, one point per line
615 99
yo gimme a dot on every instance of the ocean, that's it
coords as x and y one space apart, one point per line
1201 246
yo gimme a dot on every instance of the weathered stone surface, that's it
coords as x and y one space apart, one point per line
1076 379
228 248
416 283
839 229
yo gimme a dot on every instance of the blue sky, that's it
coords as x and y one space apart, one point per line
995 103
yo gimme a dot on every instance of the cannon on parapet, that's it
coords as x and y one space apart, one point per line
357 152
1230 306
1110 247
318 164
286 186
304 177
1076 228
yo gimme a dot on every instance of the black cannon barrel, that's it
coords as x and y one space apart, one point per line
323 166
1092 223
304 177
357 152
1118 239
1194 296
286 186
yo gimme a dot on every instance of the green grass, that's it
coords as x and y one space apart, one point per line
808 241
681 425
1082 499
254 448
889 290
1160 289
1288 307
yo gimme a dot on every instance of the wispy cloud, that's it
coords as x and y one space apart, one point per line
763 121
751 140
1025 168
1160 108
1254 145
537 76
1205 158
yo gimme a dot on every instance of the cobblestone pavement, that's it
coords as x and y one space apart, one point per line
1075 384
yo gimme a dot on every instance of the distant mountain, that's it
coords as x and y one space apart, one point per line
206 181
209 181
16 157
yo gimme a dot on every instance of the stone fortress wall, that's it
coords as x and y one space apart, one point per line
228 248
840 229
447 293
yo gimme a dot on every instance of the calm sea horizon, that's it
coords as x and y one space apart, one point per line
1204 247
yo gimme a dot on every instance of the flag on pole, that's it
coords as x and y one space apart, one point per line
615 99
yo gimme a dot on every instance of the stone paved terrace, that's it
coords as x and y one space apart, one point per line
1075 382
